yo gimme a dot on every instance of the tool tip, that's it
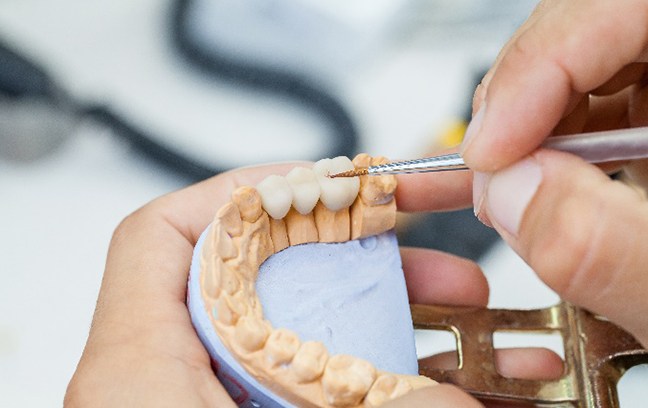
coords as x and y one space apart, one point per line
351 173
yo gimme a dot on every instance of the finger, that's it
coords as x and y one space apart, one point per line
151 251
435 277
575 120
192 209
531 89
638 105
118 374
438 396
637 171
442 191
628 75
583 233
480 92
532 363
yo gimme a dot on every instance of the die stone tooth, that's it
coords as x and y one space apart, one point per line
251 333
276 196
227 279
301 228
254 305
248 201
230 217
336 193
375 209
332 226
309 362
281 347
386 388
305 188
279 235
377 190
211 278
228 309
369 220
223 243
346 380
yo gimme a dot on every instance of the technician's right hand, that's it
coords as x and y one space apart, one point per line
574 66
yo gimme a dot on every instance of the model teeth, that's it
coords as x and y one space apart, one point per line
230 217
337 193
281 347
229 310
309 362
212 280
225 248
305 189
251 332
248 201
386 388
346 380
228 280
276 196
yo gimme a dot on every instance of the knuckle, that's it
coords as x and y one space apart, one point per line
525 48
134 222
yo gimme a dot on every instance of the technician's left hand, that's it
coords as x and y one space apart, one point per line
142 350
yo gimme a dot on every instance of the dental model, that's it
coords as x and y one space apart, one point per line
249 240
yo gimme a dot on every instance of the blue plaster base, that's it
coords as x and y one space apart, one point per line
351 296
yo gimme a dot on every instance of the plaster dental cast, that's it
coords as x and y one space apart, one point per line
345 294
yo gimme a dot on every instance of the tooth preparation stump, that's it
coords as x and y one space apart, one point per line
302 366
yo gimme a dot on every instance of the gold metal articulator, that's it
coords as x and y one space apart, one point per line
597 354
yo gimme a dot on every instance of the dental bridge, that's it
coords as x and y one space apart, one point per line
307 206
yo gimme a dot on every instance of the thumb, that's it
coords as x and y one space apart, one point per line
569 48
584 234
438 396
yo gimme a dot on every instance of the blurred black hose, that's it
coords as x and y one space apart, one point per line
21 78
306 93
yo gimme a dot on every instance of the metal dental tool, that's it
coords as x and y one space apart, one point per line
596 147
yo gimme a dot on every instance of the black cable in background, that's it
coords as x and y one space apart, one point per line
344 137
162 154
20 77
23 78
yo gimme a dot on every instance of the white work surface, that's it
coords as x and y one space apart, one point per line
58 212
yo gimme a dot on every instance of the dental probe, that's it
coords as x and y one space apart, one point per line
595 147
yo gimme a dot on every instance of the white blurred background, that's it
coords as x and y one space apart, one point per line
403 70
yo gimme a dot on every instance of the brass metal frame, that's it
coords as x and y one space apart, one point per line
597 353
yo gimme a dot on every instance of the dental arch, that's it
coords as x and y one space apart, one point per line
304 206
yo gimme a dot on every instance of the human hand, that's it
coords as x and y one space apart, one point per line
573 66
142 349
442 279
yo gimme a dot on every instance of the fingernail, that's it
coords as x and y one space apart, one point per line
479 188
473 128
509 193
